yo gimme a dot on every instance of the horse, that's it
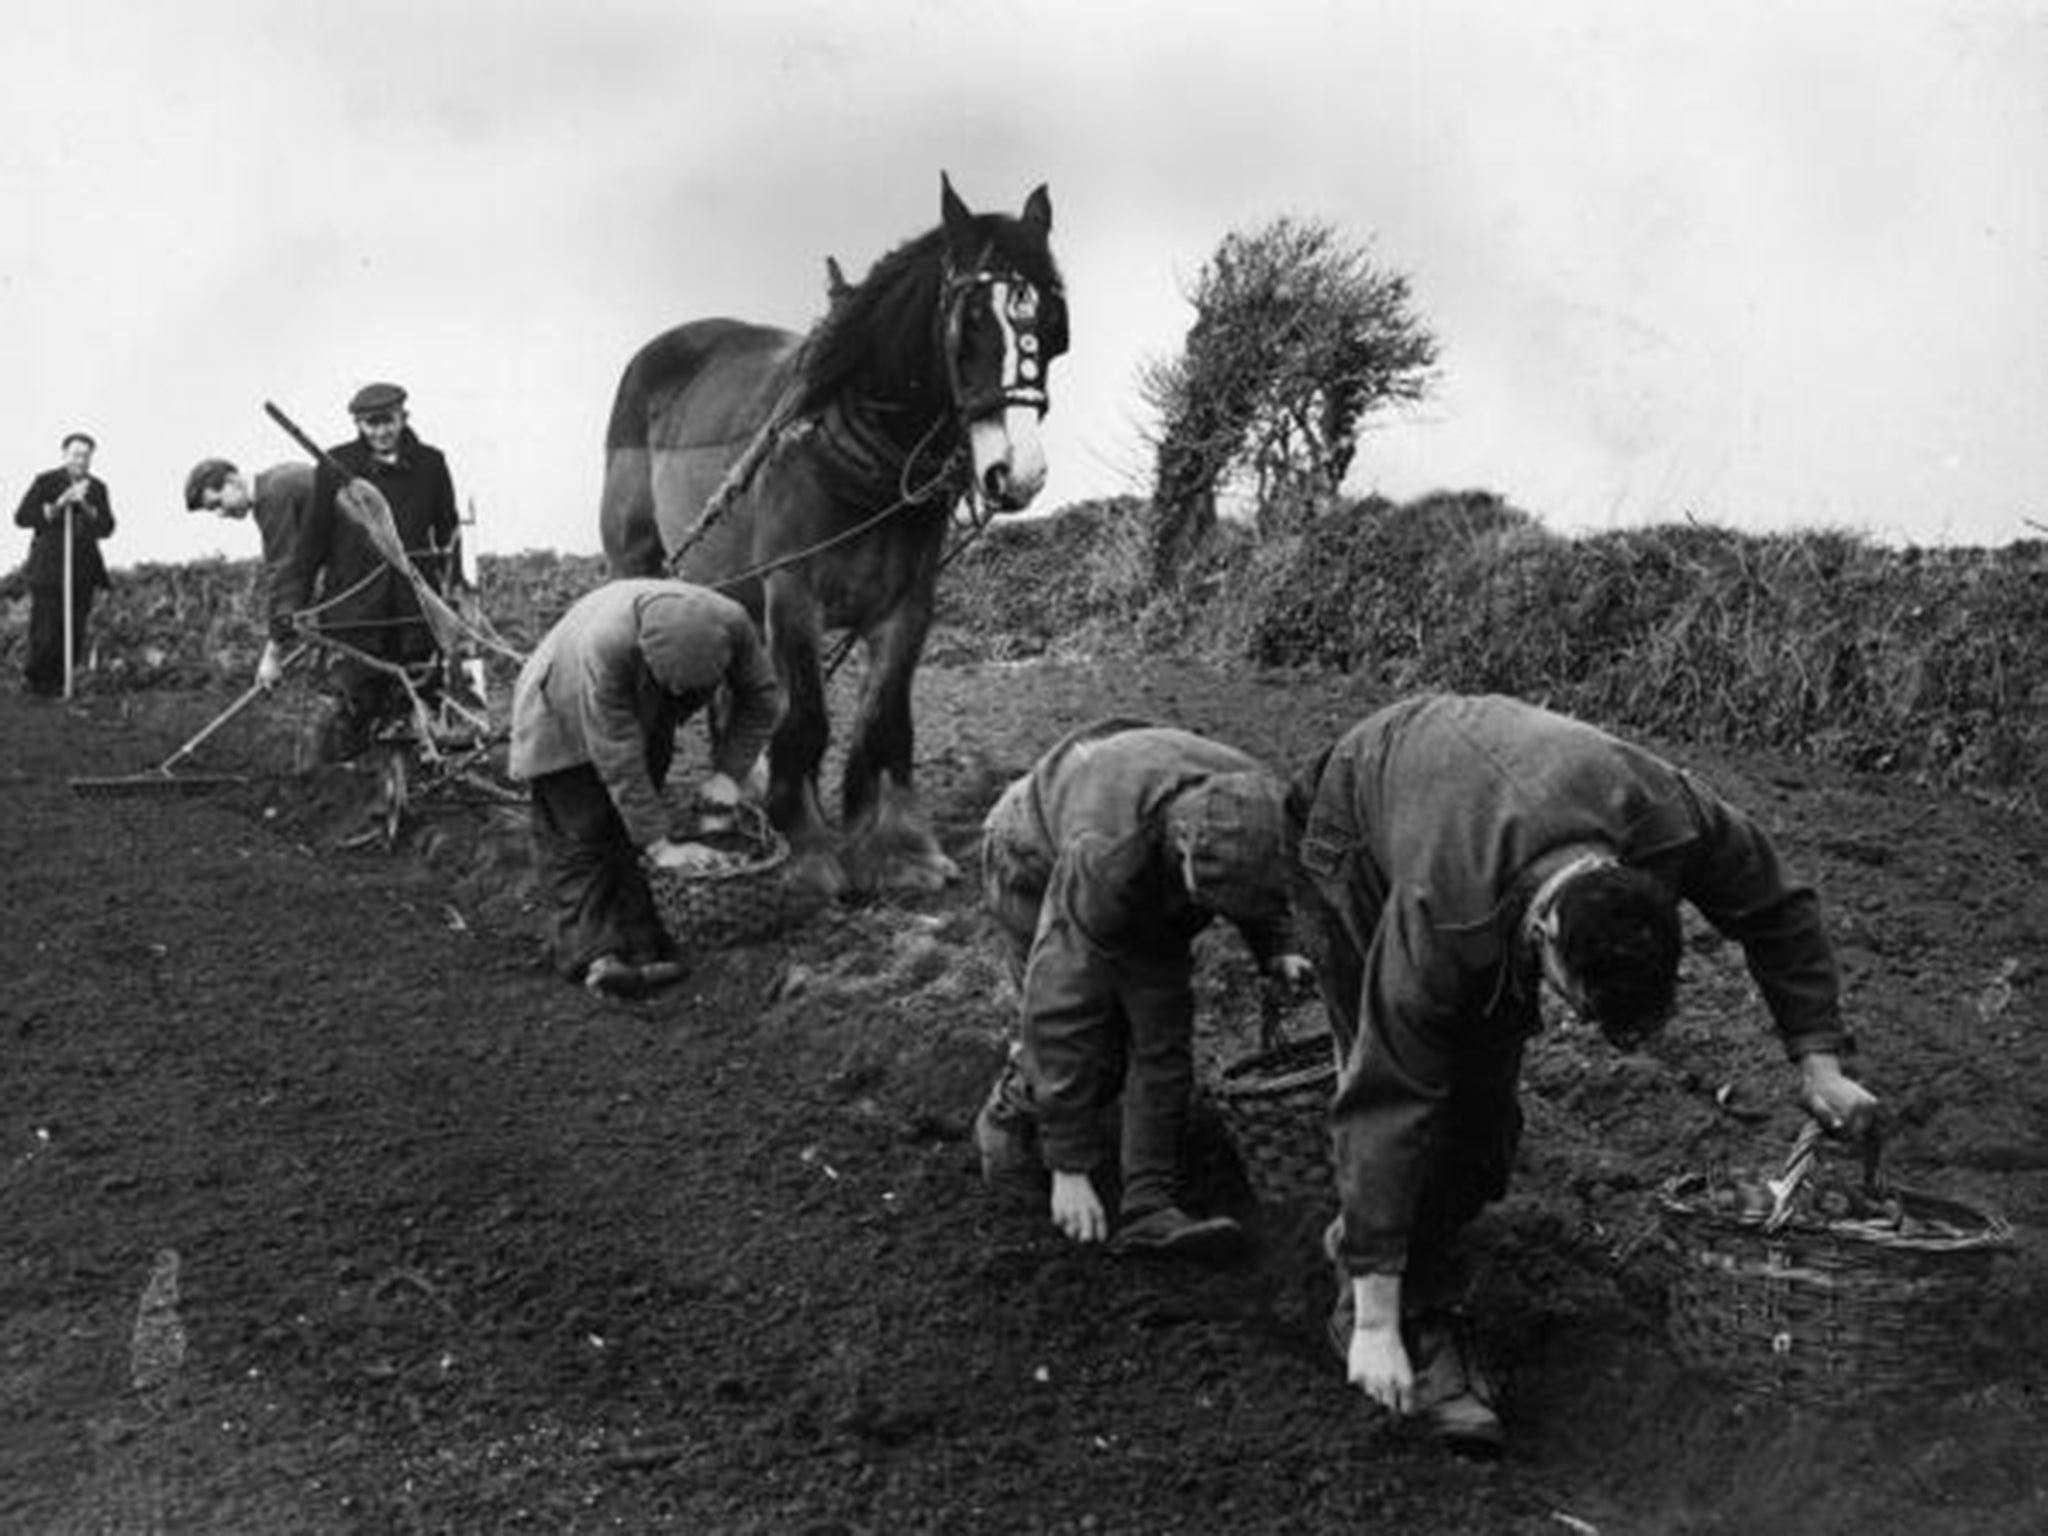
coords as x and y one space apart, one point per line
814 479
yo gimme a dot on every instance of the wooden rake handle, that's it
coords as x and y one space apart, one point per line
254 692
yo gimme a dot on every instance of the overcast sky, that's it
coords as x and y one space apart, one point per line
1770 263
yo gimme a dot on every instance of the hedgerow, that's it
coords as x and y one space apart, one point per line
174 625
1932 662
1818 643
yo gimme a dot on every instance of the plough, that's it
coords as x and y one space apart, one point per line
442 747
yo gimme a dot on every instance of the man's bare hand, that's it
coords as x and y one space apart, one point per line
1295 973
718 790
1843 1106
1076 1209
1378 1366
685 858
1377 1361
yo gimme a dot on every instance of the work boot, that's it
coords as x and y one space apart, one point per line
610 976
1454 1398
656 974
1167 1231
1006 1131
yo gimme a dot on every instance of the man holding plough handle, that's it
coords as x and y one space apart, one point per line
368 604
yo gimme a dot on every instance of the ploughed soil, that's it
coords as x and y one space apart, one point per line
324 1207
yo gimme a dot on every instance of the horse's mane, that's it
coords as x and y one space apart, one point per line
879 334
877 339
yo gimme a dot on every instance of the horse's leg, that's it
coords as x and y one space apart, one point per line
798 746
890 845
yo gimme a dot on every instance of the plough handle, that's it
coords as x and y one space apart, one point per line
320 455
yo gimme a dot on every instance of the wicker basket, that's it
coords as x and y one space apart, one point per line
1773 1295
1275 1102
743 903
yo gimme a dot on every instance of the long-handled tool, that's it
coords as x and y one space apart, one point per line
70 604
163 779
363 504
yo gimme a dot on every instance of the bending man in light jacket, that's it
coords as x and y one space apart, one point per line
594 717
1463 854
1100 867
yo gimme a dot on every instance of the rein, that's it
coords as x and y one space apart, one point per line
907 498
1020 317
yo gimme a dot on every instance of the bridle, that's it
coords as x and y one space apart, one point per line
1019 309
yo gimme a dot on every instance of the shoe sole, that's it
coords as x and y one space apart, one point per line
660 975
1481 1441
1207 1242
626 986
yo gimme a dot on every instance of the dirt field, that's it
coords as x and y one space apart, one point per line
323 1208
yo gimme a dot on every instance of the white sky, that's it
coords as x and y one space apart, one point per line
1772 263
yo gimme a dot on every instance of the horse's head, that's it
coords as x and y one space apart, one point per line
1002 320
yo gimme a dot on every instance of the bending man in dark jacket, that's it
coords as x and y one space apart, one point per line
279 496
1464 853
1100 867
594 718
366 603
70 494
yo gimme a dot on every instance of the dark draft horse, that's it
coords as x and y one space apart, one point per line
814 479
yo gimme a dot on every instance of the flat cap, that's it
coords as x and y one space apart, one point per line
207 475
685 635
372 398
1233 828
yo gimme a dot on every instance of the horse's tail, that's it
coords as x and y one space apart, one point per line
625 518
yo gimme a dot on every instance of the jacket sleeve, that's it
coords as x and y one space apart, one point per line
446 521
618 749
1391 1092
30 513
1734 878
304 553
279 517
100 502
1070 1005
757 702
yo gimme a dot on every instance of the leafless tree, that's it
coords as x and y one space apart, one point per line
1298 336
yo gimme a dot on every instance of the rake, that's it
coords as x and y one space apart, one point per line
164 779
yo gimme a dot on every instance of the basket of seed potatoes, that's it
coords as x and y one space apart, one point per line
1274 1100
740 893
1824 1283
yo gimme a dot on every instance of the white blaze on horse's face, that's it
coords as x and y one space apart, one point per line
1009 457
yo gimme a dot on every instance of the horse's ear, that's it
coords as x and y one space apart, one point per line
1038 209
959 222
836 285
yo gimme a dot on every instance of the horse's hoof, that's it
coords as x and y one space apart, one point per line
934 873
924 874
818 874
